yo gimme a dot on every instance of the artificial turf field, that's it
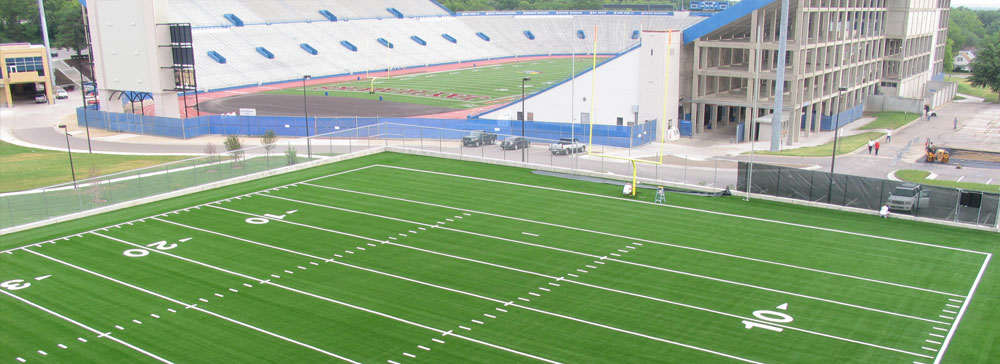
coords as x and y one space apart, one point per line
394 258
460 88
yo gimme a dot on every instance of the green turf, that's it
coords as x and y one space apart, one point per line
967 89
485 85
890 120
848 144
918 176
431 252
26 168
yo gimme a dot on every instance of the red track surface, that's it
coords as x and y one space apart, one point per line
457 114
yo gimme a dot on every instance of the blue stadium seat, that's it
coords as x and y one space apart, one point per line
309 49
264 52
419 40
449 38
234 19
217 57
348 45
327 14
483 36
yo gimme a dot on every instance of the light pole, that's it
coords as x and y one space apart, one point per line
524 117
305 111
72 172
836 129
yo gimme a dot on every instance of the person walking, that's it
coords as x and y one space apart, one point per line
956 123
888 136
871 144
877 145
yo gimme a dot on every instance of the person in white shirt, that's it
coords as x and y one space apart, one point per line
627 189
871 144
884 211
888 136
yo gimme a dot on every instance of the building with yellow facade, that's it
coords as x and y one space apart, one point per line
24 73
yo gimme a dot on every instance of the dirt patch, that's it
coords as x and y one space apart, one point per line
321 106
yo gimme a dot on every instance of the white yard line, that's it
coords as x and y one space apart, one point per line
186 305
85 327
689 209
609 259
961 312
588 285
602 233
438 287
301 292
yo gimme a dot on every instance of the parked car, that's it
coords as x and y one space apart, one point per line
479 137
567 146
908 197
515 142
62 94
41 99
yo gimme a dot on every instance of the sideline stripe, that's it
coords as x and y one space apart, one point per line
552 277
189 306
305 293
625 237
690 209
85 327
422 283
961 312
618 261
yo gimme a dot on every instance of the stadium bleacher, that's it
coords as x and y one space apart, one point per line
282 27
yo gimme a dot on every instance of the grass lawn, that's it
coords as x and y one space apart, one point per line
341 262
965 88
890 120
459 89
27 168
958 97
918 176
847 144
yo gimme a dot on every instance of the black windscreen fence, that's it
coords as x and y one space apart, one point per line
943 203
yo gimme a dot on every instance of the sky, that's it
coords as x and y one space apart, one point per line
993 4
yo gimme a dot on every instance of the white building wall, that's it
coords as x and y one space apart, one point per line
659 79
127 56
615 94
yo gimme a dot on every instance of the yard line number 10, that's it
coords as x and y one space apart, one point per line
769 316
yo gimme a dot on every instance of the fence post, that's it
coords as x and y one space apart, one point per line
958 204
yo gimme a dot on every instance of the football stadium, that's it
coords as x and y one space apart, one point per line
434 186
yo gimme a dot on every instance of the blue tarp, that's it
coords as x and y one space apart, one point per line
392 128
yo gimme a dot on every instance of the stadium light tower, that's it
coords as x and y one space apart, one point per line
305 111
524 116
836 128
72 172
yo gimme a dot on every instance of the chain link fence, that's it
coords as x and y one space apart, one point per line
941 203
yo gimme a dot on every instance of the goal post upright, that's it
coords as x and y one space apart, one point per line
661 123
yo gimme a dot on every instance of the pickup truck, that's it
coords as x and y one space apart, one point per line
479 137
908 197
567 146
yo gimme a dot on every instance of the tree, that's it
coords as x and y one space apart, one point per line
235 148
965 28
96 189
986 66
268 139
210 152
291 155
19 22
